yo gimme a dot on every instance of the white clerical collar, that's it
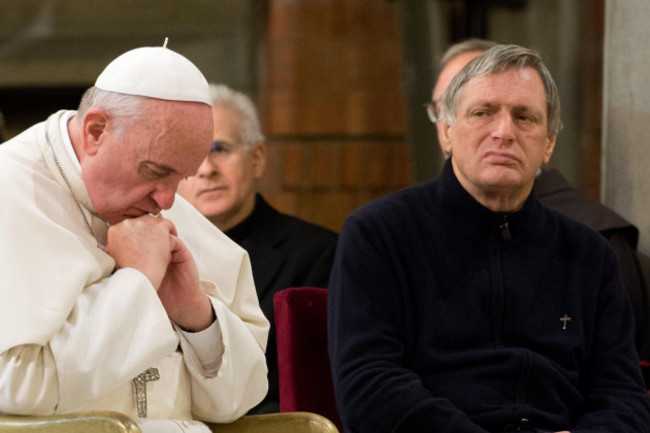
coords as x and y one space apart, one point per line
63 126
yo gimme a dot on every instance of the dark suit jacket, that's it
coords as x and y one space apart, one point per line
555 192
285 252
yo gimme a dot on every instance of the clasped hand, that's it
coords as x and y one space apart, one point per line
151 245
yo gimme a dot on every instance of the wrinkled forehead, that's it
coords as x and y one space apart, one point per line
181 133
520 89
227 123
456 89
469 73
514 76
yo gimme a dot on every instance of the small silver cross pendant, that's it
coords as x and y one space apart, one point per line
565 320
140 389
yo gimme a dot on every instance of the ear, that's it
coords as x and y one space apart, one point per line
258 152
445 139
94 127
550 146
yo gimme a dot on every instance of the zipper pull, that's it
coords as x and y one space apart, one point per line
505 230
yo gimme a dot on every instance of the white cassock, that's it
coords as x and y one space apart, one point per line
74 332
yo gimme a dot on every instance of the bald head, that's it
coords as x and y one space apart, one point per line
450 71
445 77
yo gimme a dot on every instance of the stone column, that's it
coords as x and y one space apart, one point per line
625 178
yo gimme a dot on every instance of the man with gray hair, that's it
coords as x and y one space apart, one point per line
463 305
117 295
284 250
554 191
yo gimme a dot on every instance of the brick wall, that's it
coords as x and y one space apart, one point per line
332 106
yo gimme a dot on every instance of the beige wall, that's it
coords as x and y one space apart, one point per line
625 179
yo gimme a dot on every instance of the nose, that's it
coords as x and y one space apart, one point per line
164 196
504 127
207 168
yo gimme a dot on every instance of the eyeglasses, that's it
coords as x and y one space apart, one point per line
221 148
433 110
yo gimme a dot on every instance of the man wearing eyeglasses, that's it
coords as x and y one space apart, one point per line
284 250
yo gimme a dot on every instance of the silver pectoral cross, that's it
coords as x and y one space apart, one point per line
565 320
140 389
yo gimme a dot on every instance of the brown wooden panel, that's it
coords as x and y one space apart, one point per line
331 98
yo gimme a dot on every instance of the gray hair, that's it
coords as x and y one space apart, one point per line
497 59
242 106
125 110
466 46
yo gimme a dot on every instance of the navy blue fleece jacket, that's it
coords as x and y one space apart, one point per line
447 317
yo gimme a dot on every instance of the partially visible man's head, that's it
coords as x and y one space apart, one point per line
500 118
143 127
223 188
452 61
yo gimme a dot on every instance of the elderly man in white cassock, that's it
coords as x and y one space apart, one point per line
116 294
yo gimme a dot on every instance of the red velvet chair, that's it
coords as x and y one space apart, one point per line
645 369
303 363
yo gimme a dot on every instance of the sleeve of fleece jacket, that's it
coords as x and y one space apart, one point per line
375 390
615 396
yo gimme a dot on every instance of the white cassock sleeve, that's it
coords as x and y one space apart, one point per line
207 346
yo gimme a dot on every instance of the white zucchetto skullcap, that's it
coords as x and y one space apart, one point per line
155 72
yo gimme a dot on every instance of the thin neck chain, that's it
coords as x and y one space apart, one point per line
65 179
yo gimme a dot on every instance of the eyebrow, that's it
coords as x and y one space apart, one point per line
518 108
482 104
524 108
151 164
